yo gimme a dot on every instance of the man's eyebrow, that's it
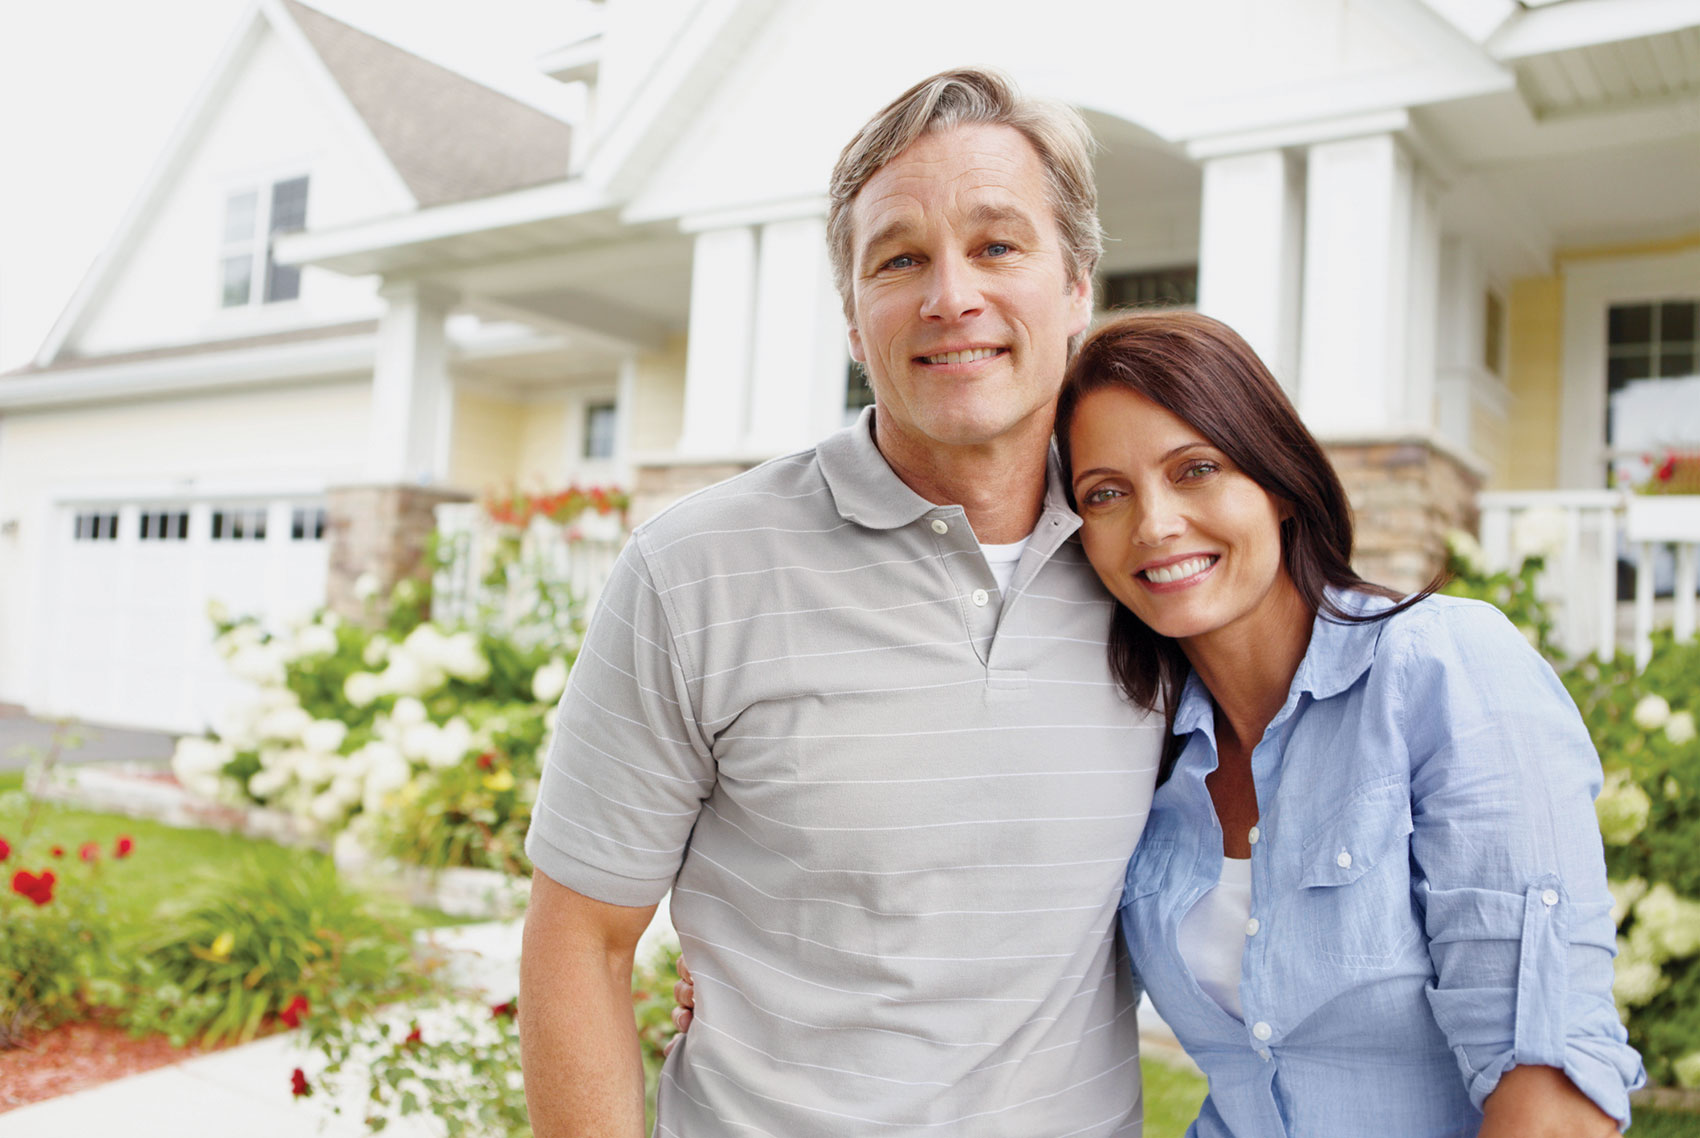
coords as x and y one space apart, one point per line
890 231
989 214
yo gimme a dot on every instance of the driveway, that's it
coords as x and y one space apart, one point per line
22 737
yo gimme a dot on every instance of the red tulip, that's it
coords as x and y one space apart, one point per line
294 1012
504 1011
124 847
90 852
5 850
298 1083
35 887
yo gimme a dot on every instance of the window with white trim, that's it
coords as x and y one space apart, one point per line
164 525
307 523
600 420
239 523
101 525
253 219
1174 287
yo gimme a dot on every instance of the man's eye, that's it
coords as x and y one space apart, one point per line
901 261
998 249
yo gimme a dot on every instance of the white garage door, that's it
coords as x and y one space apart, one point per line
126 636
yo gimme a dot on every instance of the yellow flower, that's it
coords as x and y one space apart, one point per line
222 944
500 781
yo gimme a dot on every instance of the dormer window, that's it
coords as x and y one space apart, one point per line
252 220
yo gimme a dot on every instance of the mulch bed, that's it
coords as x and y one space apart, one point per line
79 1055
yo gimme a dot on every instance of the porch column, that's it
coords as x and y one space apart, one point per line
1250 245
797 374
412 396
1362 215
722 331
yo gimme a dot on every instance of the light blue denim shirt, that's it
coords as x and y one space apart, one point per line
1428 888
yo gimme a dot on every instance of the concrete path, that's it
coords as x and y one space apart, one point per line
23 736
244 1092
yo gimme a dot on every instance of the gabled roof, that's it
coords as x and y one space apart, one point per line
449 138
434 136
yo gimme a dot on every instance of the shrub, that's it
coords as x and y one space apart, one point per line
255 942
56 952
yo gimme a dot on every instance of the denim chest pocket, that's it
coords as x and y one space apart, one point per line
1355 879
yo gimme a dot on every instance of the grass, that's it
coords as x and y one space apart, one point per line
1650 1123
1173 1091
164 856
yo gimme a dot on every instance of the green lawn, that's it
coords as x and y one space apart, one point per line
1172 1094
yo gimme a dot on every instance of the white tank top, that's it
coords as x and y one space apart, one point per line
1001 560
1212 935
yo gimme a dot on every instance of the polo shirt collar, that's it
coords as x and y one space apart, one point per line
1339 654
867 491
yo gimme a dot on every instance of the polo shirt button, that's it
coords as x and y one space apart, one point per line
1344 861
981 596
1550 897
939 526
1261 1030
1251 927
1253 834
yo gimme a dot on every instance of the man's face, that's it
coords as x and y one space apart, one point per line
962 306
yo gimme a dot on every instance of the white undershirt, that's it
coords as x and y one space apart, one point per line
1212 935
1002 559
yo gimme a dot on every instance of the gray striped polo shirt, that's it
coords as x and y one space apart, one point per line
894 807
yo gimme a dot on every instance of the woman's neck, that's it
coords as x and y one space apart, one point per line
1249 668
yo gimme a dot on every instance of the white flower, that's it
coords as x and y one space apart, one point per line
549 681
408 712
463 659
245 635
407 674
1651 712
1624 894
386 772
284 724
366 586
377 650
1634 981
258 664
1467 551
327 808
1622 808
1670 924
1540 532
324 735
361 688
315 640
217 611
1680 728
267 782
1687 1070
199 765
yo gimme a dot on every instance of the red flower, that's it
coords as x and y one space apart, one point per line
37 888
57 851
486 761
1667 469
505 1011
124 846
298 1083
90 852
294 1011
414 1037
5 850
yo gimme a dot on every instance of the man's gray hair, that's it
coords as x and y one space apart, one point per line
963 97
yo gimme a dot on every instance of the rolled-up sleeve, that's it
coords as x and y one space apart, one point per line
629 767
1511 871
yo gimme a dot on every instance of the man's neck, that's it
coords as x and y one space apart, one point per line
1000 485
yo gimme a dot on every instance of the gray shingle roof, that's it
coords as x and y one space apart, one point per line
448 137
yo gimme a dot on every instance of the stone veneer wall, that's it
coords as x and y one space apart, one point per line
382 530
1406 494
657 486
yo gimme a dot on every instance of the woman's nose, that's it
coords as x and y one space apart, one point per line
1158 522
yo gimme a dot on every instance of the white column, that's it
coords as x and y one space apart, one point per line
1423 303
1250 244
1355 331
625 406
1458 342
412 397
798 368
717 362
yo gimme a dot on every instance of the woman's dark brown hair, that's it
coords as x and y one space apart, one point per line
1200 370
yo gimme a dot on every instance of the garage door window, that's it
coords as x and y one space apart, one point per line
239 525
97 527
165 525
307 524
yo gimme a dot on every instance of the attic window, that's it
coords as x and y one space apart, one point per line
252 219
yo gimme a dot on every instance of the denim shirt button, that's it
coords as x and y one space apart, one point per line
1252 835
1252 926
1262 1030
1549 898
1344 861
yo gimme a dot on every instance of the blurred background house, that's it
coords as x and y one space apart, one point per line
1464 233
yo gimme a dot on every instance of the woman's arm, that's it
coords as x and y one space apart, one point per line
1542 1102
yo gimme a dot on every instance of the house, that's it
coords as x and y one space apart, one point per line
1453 228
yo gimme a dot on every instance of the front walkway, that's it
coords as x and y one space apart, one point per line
23 736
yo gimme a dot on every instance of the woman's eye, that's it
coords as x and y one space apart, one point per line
1099 496
1199 469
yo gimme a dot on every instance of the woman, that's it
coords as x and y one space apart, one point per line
1370 897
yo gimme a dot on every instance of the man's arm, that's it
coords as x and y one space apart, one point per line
578 1038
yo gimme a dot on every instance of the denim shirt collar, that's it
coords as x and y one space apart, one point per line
1338 656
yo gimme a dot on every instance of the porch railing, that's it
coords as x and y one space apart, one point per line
490 574
1583 532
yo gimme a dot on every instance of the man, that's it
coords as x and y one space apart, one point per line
853 707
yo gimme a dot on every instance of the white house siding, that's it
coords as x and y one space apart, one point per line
74 637
277 121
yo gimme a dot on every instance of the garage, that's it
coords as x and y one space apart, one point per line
125 634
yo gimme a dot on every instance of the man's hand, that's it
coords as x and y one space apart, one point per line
578 1038
685 996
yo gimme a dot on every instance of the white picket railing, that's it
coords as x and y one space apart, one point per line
1580 530
579 556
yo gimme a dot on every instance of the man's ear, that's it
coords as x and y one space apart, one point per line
1080 304
856 352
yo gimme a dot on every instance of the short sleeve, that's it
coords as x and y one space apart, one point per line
1509 865
628 768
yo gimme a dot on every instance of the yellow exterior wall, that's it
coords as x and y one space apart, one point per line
543 445
486 441
1526 457
659 414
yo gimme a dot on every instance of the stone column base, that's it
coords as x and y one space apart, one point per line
1406 494
381 530
656 486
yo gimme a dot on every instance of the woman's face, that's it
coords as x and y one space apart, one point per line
1175 530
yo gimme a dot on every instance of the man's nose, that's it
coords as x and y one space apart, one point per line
953 290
